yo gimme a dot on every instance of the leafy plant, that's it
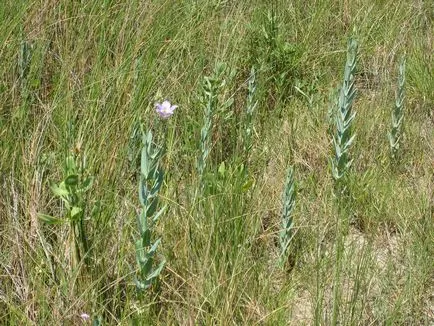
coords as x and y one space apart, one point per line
395 134
72 192
209 101
277 58
344 116
341 162
151 179
286 234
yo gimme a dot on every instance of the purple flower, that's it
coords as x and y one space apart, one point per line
84 316
165 109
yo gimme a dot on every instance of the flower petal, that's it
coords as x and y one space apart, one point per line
84 316
165 109
166 105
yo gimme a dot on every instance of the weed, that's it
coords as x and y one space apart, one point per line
397 117
151 180
344 117
287 225
72 191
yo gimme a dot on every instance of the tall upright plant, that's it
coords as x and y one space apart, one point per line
341 161
208 99
151 179
286 231
397 117
344 117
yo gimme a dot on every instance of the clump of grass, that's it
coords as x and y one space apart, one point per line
151 179
134 143
24 61
251 106
395 134
344 116
286 232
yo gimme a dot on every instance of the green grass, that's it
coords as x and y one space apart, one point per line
77 76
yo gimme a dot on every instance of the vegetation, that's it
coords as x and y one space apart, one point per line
269 210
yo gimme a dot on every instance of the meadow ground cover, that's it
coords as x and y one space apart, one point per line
209 162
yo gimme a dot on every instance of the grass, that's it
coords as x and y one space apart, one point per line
76 79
